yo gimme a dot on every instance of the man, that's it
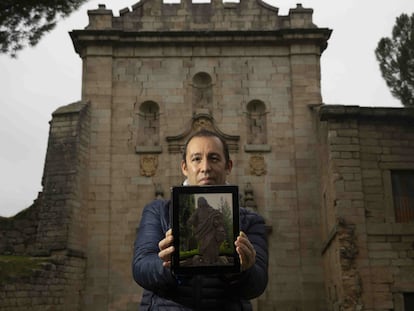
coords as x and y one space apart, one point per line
206 161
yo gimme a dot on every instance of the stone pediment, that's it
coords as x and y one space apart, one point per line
155 15
201 120
152 22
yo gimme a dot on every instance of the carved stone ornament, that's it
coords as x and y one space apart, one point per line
257 165
201 123
149 164
201 120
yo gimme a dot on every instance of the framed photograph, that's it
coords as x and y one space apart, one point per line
205 224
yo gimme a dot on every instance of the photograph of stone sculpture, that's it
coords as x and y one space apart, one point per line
206 229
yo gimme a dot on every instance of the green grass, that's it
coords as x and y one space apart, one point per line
12 267
225 249
187 254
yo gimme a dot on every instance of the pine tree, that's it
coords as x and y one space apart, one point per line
24 22
396 59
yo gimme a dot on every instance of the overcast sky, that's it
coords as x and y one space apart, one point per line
48 76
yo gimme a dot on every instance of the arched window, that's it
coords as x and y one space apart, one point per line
202 91
256 123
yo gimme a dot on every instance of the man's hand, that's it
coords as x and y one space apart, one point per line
246 251
166 248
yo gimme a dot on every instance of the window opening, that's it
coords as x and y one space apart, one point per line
408 301
403 195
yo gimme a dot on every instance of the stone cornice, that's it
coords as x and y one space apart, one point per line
113 37
328 112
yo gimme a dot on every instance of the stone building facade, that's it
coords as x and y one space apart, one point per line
320 175
367 207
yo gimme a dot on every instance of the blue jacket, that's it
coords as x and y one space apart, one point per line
162 291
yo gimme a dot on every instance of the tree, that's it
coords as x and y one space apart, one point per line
396 59
24 22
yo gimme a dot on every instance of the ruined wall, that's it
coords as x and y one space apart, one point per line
18 233
42 259
41 283
62 220
368 256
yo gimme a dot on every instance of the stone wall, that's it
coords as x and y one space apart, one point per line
369 257
41 283
18 233
62 220
42 249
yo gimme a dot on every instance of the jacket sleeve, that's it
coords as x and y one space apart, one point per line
252 282
147 267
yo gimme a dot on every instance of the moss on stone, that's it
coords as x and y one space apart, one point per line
18 267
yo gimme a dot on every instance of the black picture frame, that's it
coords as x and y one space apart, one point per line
205 224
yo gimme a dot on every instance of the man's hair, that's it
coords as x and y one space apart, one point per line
207 133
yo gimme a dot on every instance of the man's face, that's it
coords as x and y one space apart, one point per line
205 162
